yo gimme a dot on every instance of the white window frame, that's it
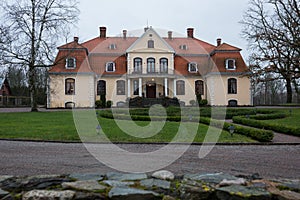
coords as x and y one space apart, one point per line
74 63
190 65
227 64
107 66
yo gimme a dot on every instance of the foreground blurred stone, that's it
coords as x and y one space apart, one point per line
158 185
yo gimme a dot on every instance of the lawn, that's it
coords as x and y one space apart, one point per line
59 126
292 119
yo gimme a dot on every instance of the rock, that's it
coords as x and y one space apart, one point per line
164 175
3 193
193 192
214 178
121 193
239 192
167 197
239 181
90 185
286 195
49 195
3 178
113 183
149 183
86 177
125 177
34 182
88 196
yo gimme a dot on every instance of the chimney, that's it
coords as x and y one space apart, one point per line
76 39
219 41
170 35
124 34
190 32
102 32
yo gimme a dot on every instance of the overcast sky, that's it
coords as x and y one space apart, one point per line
211 19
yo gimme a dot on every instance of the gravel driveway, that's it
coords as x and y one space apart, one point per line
32 158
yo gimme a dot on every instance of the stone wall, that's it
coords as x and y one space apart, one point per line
159 185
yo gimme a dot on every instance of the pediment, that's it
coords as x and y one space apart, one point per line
150 41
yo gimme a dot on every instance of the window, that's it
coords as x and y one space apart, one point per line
151 65
101 88
135 87
232 86
183 47
192 67
112 46
199 87
110 67
70 86
163 65
137 68
230 64
69 105
232 103
71 63
180 88
150 44
120 87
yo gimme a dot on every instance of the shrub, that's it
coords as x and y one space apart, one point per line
103 100
257 134
192 102
267 125
98 103
109 104
203 102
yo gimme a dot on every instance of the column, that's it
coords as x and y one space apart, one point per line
166 86
174 88
128 89
140 87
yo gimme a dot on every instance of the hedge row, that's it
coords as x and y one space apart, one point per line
257 134
267 125
268 116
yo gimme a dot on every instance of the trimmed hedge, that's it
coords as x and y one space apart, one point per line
257 134
267 125
268 116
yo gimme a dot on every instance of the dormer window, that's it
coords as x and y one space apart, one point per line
150 44
110 67
192 67
230 64
112 46
70 63
183 47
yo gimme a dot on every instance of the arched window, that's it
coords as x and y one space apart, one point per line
70 86
232 86
120 87
150 44
232 103
199 87
163 65
180 88
150 65
101 88
69 104
137 68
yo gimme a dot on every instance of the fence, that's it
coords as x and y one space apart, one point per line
14 101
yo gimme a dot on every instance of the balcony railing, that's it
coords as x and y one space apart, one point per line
156 72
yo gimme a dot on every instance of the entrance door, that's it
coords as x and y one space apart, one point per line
151 90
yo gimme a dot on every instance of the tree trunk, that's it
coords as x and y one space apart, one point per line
32 89
289 91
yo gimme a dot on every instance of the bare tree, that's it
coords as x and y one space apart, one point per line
272 28
32 29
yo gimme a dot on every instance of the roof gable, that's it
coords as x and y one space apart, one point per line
141 45
227 47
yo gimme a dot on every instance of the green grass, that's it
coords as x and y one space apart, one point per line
59 126
292 119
